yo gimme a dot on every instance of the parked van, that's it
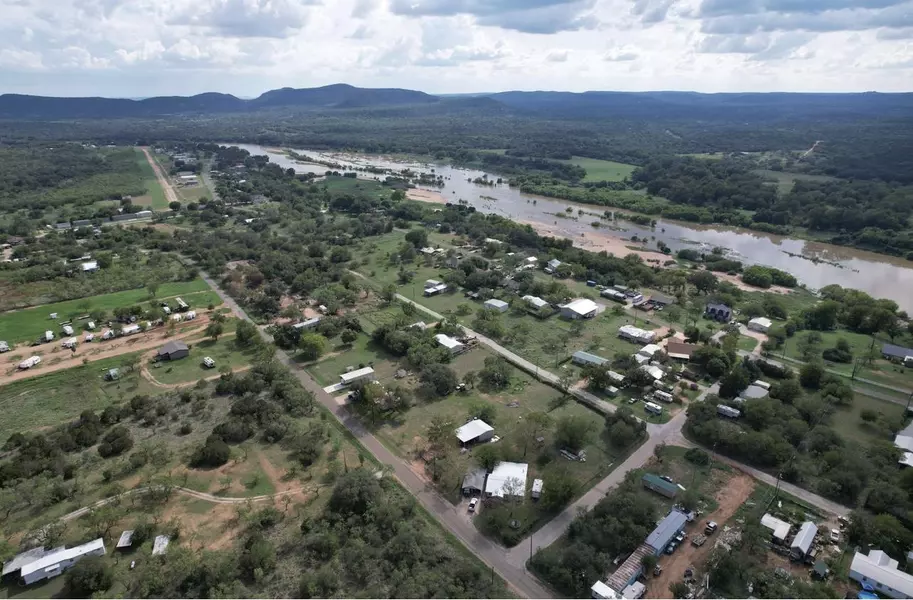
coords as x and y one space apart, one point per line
69 343
30 362
663 396
67 329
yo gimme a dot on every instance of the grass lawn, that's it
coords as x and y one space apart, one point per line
154 197
849 424
601 170
747 343
338 186
785 181
30 323
191 369
362 352
57 397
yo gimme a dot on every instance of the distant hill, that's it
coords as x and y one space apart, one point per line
711 107
17 106
647 106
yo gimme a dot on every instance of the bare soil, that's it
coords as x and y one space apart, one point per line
736 491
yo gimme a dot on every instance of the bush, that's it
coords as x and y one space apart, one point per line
89 576
116 442
697 456
214 453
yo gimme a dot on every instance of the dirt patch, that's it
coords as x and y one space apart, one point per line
597 241
234 264
734 279
736 491
216 529
426 196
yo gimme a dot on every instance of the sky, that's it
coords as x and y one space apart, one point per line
140 48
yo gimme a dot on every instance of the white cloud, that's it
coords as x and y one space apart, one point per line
148 47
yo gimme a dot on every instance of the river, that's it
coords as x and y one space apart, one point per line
814 264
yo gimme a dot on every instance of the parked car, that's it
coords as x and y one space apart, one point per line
835 536
209 363
472 504
680 537
710 528
670 548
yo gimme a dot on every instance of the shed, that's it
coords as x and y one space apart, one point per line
635 334
495 304
125 540
728 411
662 299
89 267
552 265
580 308
666 531
649 350
820 570
659 485
160 544
635 591
585 358
56 562
476 430
653 371
754 392
536 489
173 350
535 301
366 373
500 481
308 324
802 543
601 591
761 324
112 375
448 342
474 482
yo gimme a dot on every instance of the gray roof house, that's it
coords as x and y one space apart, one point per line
718 312
892 352
474 482
173 350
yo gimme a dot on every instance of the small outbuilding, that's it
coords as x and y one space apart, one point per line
580 308
173 350
495 304
475 431
660 486
535 302
474 482
760 324
125 540
583 359
779 528
448 342
160 544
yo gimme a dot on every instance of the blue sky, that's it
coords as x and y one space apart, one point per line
134 48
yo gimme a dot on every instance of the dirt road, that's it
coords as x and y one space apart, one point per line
730 498
65 359
170 195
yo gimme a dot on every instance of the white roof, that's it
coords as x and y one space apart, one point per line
502 473
601 590
537 485
90 266
649 350
126 539
581 306
654 371
531 259
905 443
356 374
160 544
762 321
62 554
69 342
637 333
633 591
881 568
535 301
447 341
431 283
15 563
805 537
496 303
779 527
472 430
305 324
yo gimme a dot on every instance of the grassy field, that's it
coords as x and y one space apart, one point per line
28 324
747 343
849 424
56 397
191 369
363 351
601 170
154 197
785 181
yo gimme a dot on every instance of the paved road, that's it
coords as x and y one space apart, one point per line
449 516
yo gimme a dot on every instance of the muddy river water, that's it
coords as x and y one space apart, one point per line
813 264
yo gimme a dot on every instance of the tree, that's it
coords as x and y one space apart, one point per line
811 374
90 575
438 379
787 391
174 205
487 456
348 337
470 379
809 345
734 382
214 453
418 238
533 426
152 287
649 562
388 293
703 281
312 345
214 330
246 334
495 373
558 491
679 589
481 409
573 433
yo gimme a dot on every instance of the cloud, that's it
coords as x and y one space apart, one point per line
557 56
247 18
20 60
761 46
619 56
363 8
651 11
905 33
362 32
715 8
527 16
849 19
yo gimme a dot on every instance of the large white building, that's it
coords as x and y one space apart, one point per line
880 571
57 561
760 324
580 308
508 478
636 334
476 430
495 304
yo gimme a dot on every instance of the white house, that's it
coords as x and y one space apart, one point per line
535 301
580 308
653 371
89 267
880 571
761 324
635 334
498 305
56 562
367 373
601 591
649 350
904 441
448 342
552 265
435 289
779 529
507 478
476 430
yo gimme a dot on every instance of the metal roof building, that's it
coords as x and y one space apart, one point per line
778 527
802 543
356 375
474 481
448 342
502 474
666 531
880 571
581 308
58 561
125 540
535 301
474 430
160 544
585 358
